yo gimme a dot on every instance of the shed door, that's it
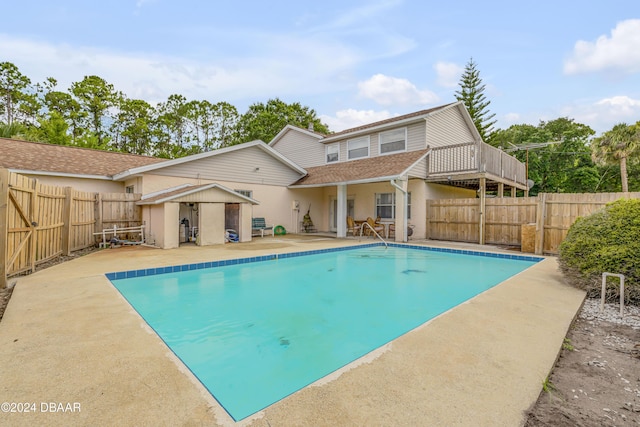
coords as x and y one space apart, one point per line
232 216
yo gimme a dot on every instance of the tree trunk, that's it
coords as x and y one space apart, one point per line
623 174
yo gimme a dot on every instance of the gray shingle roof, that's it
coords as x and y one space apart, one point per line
360 170
34 156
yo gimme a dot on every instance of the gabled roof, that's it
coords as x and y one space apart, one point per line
372 169
50 159
382 124
288 128
174 193
257 143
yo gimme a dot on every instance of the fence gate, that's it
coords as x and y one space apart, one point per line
20 224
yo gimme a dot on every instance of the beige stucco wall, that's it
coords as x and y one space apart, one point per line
153 219
81 184
246 213
170 227
211 224
365 202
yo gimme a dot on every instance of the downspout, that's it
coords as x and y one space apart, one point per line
406 213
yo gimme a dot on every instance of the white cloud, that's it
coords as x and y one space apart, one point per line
283 69
386 90
620 52
512 118
603 114
350 118
448 73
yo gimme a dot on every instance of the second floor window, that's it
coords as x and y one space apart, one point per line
333 153
358 147
393 140
246 193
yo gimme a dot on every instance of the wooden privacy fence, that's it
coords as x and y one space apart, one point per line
550 215
40 222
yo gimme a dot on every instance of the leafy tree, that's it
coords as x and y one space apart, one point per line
13 85
132 129
52 129
211 125
471 93
14 130
619 145
95 97
264 121
171 127
565 167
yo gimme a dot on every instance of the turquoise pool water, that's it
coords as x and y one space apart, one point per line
256 332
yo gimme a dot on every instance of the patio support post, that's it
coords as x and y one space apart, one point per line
483 194
402 213
341 216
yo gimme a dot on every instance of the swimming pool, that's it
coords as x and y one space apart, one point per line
256 330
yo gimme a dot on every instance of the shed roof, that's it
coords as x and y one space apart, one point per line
174 194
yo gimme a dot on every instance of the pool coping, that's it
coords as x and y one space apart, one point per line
68 336
365 358
128 274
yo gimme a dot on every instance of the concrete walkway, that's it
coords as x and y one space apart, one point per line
74 350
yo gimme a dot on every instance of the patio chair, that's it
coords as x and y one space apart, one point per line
379 228
353 227
391 232
259 226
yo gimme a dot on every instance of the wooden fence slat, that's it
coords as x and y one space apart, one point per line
553 214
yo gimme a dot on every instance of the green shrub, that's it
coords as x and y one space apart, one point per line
606 241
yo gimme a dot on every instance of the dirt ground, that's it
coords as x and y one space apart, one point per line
596 379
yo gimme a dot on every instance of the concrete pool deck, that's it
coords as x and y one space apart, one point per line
69 341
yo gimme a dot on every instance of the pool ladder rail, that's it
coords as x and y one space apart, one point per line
374 232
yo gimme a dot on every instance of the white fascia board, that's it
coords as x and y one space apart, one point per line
377 128
258 143
294 128
166 190
356 181
406 171
282 158
60 174
467 118
197 190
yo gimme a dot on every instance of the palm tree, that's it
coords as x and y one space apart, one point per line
621 145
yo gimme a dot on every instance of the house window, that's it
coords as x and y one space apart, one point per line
129 189
386 205
333 153
393 140
246 193
357 148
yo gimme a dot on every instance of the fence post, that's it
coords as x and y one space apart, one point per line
35 215
97 214
428 220
67 228
4 203
483 191
541 209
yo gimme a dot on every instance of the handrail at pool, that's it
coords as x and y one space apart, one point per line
374 232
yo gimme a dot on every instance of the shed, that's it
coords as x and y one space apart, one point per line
196 213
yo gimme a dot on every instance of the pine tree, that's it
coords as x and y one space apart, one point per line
471 93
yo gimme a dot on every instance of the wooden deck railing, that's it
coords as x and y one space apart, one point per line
475 157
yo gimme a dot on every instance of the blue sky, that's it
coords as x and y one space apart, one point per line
353 62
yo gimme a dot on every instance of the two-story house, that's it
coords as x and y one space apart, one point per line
386 169
389 168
